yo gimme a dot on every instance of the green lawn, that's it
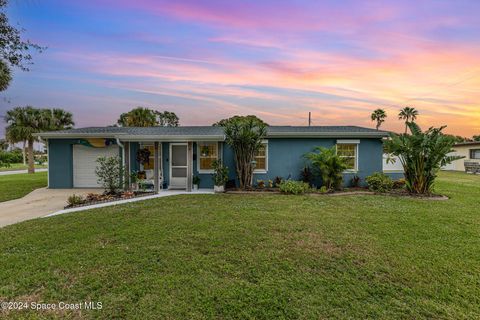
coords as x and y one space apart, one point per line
15 186
21 166
255 256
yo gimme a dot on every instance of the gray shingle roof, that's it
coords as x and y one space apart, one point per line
210 131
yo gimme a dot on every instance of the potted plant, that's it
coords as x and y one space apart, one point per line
220 176
134 180
196 182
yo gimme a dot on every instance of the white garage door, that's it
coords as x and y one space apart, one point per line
85 162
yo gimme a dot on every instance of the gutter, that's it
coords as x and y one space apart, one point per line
327 134
123 150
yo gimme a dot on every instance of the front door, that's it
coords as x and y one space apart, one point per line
178 165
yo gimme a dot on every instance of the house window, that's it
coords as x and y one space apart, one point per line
474 153
261 158
151 163
207 153
348 151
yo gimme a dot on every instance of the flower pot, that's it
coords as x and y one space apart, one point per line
195 187
219 188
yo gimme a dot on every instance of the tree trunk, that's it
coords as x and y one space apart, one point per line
24 153
31 164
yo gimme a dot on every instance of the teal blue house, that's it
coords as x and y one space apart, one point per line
177 154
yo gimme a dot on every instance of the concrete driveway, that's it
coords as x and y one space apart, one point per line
37 203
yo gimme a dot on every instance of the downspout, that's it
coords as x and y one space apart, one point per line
123 152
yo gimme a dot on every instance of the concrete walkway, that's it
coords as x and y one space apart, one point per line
6 173
45 202
164 193
37 203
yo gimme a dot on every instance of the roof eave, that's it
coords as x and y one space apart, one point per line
59 135
173 138
327 134
130 137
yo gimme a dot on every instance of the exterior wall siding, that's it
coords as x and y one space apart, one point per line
285 159
60 163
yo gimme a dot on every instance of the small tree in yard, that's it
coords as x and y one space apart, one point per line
245 135
110 173
422 155
329 165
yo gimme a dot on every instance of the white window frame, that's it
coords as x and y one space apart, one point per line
356 143
259 171
200 171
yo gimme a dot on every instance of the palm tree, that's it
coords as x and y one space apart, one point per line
61 119
24 122
138 117
379 115
409 114
14 134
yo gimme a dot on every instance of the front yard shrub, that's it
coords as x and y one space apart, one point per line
220 173
307 175
399 184
422 155
329 165
277 181
355 182
294 187
323 189
110 173
261 183
75 200
379 182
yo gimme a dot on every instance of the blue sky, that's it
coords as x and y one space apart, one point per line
207 60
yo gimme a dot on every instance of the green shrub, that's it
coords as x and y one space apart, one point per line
74 200
399 184
323 189
293 187
329 165
379 182
422 154
109 173
220 173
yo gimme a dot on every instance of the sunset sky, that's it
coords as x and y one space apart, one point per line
207 60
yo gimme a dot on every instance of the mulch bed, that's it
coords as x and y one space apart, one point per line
345 192
111 198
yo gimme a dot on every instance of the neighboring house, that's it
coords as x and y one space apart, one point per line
469 150
182 152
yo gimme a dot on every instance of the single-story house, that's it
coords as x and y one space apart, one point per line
179 153
469 150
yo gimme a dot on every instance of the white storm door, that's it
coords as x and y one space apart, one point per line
178 165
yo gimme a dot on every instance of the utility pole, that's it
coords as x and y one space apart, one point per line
309 119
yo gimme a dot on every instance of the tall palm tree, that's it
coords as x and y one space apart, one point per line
138 117
14 133
24 122
379 116
409 114
61 120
